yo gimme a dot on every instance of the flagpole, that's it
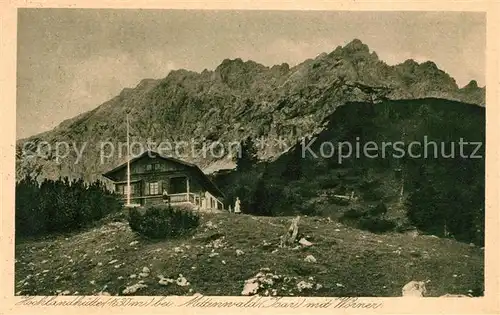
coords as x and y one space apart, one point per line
128 164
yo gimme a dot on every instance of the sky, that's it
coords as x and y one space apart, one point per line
72 60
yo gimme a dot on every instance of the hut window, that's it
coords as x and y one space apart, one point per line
120 189
132 189
149 167
154 188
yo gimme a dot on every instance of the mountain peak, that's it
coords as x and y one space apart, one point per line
145 83
429 65
471 85
357 45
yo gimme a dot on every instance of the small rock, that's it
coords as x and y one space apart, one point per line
133 276
239 252
304 242
210 225
165 281
340 285
134 288
178 250
213 254
145 272
181 281
223 262
454 295
113 261
303 285
134 243
310 259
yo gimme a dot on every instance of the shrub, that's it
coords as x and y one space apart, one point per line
339 201
368 220
352 214
60 205
404 226
379 209
163 222
372 194
376 225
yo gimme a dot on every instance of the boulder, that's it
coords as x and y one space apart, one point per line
414 289
250 287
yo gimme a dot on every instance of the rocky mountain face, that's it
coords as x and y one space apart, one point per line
277 105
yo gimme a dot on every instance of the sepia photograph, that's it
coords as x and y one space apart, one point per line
250 153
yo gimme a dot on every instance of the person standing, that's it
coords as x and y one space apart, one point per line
166 197
237 206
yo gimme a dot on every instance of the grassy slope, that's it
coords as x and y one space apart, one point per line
350 262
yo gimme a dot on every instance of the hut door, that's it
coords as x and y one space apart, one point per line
178 185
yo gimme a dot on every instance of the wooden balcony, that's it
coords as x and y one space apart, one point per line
174 199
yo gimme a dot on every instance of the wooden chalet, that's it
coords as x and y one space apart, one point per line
155 179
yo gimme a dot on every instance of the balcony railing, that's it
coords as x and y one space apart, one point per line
174 198
182 197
